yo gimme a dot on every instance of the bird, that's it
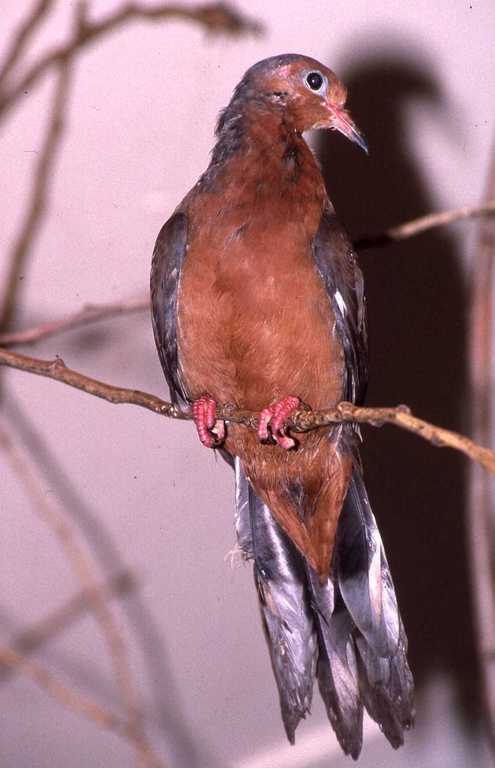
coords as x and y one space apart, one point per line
258 302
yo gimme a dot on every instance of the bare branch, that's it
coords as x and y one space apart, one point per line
90 313
21 37
302 421
430 221
52 517
66 696
215 17
82 705
37 204
29 640
437 436
56 369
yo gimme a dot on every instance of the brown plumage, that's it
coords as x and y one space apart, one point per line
254 320
257 301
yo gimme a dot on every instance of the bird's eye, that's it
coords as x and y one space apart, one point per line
314 81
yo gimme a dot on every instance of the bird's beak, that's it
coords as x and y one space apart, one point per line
341 121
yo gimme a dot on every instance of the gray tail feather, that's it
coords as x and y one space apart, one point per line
337 664
385 681
285 607
347 632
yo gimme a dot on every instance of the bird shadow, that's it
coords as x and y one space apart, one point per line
417 321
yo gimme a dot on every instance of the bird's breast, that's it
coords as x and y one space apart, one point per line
254 320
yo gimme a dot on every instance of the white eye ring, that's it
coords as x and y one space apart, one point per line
315 81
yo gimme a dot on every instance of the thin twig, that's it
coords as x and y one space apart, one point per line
430 221
37 204
29 640
90 313
56 369
67 696
50 514
301 421
215 17
401 416
21 37
52 517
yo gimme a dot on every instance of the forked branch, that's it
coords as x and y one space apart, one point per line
214 17
69 698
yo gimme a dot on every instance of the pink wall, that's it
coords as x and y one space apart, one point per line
142 492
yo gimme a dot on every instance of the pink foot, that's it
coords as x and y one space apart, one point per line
274 417
211 431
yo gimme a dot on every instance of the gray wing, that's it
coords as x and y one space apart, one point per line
338 268
168 258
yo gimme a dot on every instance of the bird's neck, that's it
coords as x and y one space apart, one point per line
262 139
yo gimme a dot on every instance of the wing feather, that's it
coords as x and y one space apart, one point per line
343 280
168 258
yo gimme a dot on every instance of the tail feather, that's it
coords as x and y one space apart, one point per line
387 689
347 632
286 611
338 681
337 665
363 573
364 579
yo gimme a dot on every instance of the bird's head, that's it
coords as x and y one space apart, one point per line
310 94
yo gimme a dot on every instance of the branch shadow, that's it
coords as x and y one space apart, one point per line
417 308
185 747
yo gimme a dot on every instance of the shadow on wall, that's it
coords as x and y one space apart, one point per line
417 315
165 708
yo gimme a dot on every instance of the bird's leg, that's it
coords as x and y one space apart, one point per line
274 417
211 431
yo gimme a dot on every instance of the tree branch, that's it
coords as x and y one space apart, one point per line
51 516
90 313
29 640
21 37
481 509
301 422
69 698
423 223
215 17
56 369
37 204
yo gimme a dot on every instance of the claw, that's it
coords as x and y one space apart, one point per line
272 420
211 431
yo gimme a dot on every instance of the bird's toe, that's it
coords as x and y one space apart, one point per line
272 421
211 431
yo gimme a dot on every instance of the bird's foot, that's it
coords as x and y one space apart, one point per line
211 431
272 421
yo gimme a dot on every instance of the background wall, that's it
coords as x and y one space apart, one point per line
141 492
